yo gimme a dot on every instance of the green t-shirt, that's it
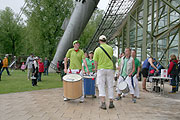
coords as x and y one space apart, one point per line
75 58
102 59
124 70
137 64
119 61
90 64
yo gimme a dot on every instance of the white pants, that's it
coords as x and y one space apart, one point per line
136 87
105 77
76 71
128 80
29 73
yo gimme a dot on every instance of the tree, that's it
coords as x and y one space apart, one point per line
45 18
10 32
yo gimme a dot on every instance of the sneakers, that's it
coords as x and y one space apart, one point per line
172 92
133 100
118 98
81 101
66 99
103 106
111 105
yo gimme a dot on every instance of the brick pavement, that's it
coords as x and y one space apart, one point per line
49 105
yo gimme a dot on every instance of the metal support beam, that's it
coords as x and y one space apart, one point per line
122 39
141 25
171 6
145 20
128 32
136 34
157 22
152 25
169 45
167 42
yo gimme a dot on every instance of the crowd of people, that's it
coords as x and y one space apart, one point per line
129 69
36 67
101 63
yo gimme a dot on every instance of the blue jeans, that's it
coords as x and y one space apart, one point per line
45 71
39 76
175 82
6 70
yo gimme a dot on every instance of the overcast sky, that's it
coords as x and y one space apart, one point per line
15 5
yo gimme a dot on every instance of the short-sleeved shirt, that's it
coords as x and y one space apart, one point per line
90 64
137 64
124 71
119 61
102 59
75 58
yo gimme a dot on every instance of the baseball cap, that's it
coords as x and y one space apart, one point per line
91 52
102 37
76 41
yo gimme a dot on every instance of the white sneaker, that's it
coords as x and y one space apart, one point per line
66 99
81 101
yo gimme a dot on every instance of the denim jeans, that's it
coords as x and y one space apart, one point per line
45 71
6 70
175 81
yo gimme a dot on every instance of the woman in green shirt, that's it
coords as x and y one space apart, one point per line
90 64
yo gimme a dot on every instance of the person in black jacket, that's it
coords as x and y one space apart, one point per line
35 72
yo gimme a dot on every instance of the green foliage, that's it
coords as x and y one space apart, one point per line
10 33
45 18
42 30
18 82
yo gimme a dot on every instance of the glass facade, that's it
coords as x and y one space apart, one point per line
153 30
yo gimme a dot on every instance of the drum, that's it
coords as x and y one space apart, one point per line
123 87
72 85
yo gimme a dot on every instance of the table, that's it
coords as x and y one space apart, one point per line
160 79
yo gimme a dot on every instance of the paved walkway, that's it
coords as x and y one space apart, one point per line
49 105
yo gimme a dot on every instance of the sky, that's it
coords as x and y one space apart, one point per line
16 5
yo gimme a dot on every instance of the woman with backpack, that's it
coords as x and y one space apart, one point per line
173 72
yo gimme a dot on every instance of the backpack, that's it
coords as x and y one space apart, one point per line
175 69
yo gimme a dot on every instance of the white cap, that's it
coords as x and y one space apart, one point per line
102 37
35 58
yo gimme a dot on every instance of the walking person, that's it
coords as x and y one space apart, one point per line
5 65
41 69
75 55
29 63
46 65
35 70
136 73
127 68
174 73
1 64
105 74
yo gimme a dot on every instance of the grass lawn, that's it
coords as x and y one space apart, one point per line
18 82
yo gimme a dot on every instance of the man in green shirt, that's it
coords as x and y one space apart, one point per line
75 55
136 73
105 73
127 68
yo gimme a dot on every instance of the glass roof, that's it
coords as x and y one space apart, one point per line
112 19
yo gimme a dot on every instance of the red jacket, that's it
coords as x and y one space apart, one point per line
41 67
171 66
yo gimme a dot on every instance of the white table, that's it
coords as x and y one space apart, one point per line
162 81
